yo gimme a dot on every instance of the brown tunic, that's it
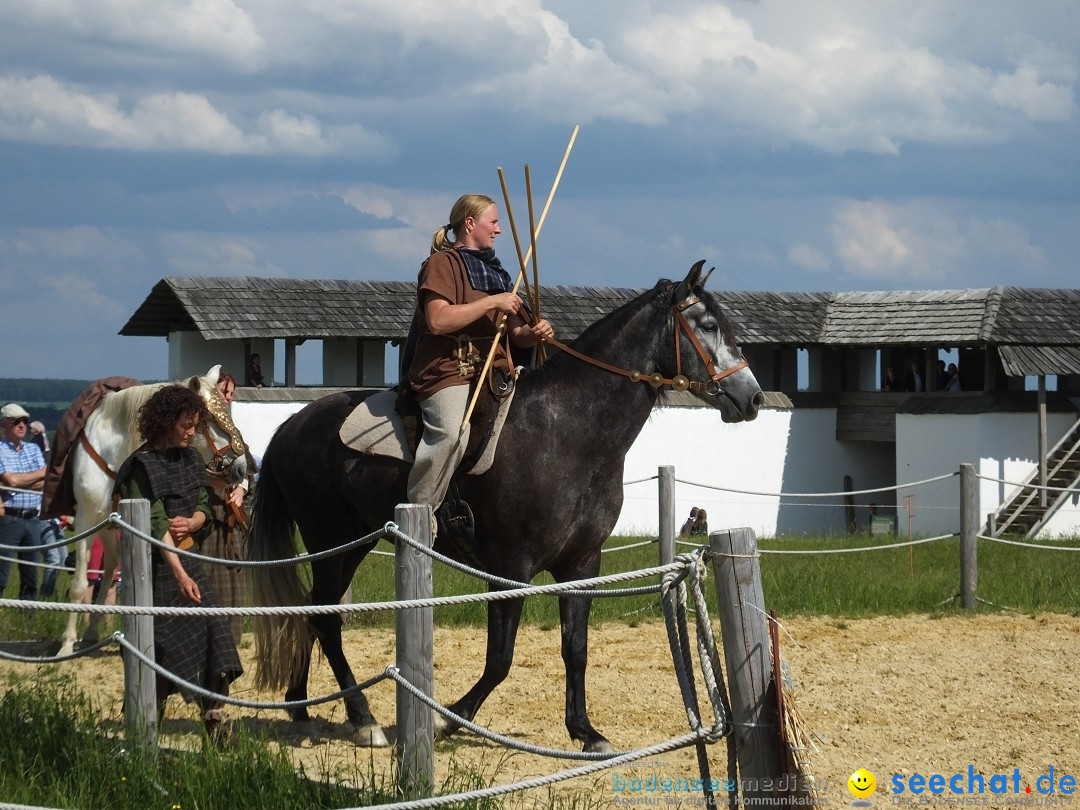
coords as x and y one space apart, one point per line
436 363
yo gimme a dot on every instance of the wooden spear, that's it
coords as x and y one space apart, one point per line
521 272
541 353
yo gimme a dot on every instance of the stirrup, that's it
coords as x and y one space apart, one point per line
456 524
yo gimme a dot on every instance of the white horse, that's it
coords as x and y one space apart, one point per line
112 431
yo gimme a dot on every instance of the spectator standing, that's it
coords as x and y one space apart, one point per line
891 381
22 467
913 379
253 376
169 473
40 437
952 382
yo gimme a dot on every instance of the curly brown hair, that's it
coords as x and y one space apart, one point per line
165 408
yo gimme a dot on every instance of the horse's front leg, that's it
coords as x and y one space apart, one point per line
76 592
503 620
574 619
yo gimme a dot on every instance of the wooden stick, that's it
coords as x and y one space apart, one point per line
502 326
541 353
522 276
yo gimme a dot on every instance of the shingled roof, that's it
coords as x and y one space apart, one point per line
1042 325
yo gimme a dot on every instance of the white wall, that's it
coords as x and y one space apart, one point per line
1000 445
781 451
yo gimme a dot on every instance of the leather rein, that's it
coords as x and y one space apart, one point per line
679 382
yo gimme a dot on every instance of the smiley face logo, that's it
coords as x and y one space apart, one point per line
862 784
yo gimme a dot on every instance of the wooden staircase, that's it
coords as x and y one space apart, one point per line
1021 513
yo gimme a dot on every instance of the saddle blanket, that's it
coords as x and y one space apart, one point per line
375 427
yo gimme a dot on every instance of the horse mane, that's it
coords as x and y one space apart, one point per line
660 295
122 407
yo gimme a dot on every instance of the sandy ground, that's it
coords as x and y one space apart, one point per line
897 696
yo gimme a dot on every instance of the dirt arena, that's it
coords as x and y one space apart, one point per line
892 695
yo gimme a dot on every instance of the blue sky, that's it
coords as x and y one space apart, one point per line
834 145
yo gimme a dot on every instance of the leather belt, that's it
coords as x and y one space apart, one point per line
21 513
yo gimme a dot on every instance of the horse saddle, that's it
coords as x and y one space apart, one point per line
389 424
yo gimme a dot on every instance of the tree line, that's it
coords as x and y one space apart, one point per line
46 400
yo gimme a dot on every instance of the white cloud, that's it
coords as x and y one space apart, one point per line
201 254
214 29
807 258
43 110
927 243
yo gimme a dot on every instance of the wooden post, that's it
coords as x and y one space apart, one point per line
666 478
849 504
969 528
748 661
415 747
140 691
1042 440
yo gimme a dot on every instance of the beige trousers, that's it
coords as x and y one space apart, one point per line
441 447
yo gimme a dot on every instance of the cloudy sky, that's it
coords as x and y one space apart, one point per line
834 145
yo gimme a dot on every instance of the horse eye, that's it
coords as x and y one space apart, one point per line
709 326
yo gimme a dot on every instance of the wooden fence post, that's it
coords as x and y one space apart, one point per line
666 479
969 528
748 661
140 681
415 747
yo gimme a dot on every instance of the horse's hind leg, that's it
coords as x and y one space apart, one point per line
366 731
298 690
76 592
110 561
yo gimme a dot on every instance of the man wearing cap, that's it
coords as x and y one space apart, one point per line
22 467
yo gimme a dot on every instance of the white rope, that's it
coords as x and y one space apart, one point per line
572 588
557 588
849 551
234 701
368 539
1027 545
539 781
908 485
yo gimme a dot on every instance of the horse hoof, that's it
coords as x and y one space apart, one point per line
443 729
299 715
600 746
90 638
370 737
67 648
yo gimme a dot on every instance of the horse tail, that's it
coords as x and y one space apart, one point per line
282 643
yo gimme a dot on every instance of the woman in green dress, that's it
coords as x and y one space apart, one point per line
168 472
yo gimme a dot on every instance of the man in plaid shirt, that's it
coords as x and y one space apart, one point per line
22 467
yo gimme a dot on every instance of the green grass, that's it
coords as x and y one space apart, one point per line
54 753
58 750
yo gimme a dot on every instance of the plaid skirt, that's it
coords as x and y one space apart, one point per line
193 648
227 582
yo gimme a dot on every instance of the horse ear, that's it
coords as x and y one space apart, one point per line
195 384
213 374
686 287
705 277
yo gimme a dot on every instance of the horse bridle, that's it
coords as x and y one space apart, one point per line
679 382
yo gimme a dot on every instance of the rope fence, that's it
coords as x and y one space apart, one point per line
679 577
